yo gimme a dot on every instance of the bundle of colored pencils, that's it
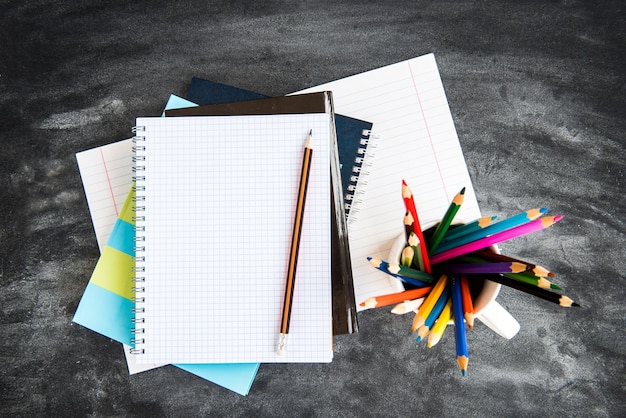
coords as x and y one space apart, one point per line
440 265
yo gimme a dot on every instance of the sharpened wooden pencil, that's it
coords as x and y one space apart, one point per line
392 298
295 244
525 276
460 230
423 331
409 203
468 303
545 294
494 228
536 225
478 268
533 268
392 270
445 222
429 302
436 332
462 356
418 261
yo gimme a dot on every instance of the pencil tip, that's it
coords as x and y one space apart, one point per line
463 190
464 372
576 305
311 132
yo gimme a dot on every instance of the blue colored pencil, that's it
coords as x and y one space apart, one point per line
384 266
423 331
503 225
462 357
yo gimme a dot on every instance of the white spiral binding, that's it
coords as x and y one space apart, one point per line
139 219
360 174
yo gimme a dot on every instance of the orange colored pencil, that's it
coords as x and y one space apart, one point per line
392 298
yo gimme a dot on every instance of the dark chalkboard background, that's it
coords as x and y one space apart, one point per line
537 93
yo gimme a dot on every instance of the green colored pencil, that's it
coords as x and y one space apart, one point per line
443 226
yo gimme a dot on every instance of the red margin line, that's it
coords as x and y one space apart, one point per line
430 138
106 172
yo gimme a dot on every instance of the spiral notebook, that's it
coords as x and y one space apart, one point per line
353 135
106 306
216 214
352 139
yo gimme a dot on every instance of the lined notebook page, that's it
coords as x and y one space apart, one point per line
220 200
106 172
418 142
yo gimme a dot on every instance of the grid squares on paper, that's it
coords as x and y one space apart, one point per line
220 200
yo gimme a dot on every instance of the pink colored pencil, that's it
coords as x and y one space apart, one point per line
536 225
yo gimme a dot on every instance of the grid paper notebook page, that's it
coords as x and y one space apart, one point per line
220 197
418 142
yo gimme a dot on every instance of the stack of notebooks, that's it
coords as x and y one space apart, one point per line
194 216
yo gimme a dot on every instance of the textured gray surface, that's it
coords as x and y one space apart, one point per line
537 94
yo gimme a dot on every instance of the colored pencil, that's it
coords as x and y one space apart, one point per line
536 225
468 304
390 299
423 331
403 271
295 244
533 280
467 228
385 267
436 332
408 222
533 268
494 228
429 302
445 222
409 203
418 261
407 306
525 276
477 268
462 356
545 294
406 259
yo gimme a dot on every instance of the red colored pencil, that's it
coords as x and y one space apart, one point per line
409 204
468 304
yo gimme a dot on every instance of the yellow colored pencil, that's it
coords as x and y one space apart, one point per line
436 332
429 302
